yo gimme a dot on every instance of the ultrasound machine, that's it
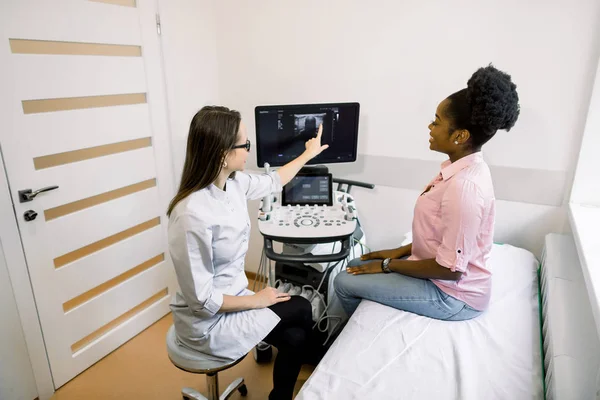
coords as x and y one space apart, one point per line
315 227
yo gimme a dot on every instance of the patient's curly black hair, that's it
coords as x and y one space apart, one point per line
490 102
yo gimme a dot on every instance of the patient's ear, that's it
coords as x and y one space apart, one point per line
461 136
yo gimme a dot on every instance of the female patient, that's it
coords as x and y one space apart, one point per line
445 276
209 228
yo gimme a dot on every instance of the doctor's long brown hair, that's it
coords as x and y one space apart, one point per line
213 132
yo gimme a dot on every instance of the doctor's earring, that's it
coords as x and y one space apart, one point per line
456 142
224 164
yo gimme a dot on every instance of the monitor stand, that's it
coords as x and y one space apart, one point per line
314 169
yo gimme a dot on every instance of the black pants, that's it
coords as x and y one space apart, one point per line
296 344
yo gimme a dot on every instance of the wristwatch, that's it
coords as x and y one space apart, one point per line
385 265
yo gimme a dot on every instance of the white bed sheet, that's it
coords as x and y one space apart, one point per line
385 353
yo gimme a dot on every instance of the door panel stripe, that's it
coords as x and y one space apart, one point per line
68 157
101 244
24 46
126 3
78 103
78 205
118 321
98 290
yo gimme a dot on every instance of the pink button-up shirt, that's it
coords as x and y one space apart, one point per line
454 223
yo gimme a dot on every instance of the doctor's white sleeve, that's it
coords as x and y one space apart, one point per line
256 186
190 246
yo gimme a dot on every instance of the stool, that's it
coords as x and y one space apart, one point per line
197 363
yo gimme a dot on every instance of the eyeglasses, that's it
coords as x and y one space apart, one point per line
243 146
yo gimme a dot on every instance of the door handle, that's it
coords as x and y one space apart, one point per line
28 195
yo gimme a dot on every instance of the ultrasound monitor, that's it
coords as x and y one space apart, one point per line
282 131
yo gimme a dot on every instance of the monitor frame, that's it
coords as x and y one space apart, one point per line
260 157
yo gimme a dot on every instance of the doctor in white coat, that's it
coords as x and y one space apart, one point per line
209 228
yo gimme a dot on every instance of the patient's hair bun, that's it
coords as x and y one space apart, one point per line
493 100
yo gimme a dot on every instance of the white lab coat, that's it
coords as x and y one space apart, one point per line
208 241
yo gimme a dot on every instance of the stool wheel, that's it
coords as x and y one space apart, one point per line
243 390
263 353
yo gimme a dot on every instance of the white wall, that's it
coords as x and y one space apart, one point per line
24 368
586 185
399 59
189 45
16 375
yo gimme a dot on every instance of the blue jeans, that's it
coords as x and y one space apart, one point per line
419 296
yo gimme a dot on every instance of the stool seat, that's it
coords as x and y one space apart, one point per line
193 361
199 363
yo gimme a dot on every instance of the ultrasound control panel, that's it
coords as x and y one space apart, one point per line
307 221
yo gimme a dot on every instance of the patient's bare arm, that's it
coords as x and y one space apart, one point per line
392 253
